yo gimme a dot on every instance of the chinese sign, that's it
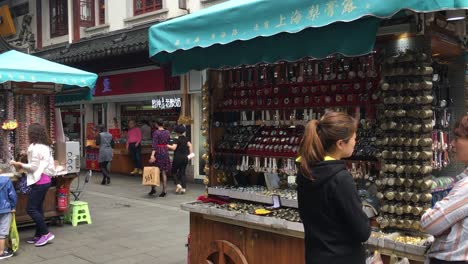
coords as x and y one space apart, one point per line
157 80
166 103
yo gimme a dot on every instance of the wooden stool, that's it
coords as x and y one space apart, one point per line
78 213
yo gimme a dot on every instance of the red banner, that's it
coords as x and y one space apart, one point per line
136 82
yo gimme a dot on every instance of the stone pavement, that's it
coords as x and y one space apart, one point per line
128 227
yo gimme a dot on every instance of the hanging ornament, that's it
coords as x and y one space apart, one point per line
185 118
10 125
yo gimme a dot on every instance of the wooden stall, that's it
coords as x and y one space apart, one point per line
122 162
258 99
28 92
50 203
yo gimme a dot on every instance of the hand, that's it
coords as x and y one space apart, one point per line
15 163
13 211
152 160
191 156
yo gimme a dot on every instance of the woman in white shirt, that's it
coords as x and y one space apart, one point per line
40 168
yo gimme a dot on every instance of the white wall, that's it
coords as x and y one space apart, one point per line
195 5
116 12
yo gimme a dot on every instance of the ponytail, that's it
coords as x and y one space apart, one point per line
320 138
311 149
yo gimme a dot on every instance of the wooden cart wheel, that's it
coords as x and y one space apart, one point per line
227 253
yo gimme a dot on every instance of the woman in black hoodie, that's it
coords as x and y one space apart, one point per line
335 225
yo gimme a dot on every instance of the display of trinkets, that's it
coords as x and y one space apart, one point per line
276 141
335 81
288 214
29 109
237 139
408 122
3 134
17 112
273 103
366 137
259 190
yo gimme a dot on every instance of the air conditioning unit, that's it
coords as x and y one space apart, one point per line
68 155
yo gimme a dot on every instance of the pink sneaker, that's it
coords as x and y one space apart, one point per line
44 239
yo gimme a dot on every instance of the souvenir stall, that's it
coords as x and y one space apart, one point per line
268 84
165 107
27 95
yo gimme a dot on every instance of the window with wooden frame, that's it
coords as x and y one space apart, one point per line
86 8
145 6
58 18
102 12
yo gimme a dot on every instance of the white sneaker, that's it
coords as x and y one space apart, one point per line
178 189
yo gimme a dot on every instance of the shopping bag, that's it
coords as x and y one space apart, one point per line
13 237
151 176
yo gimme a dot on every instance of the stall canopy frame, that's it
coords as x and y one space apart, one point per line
254 31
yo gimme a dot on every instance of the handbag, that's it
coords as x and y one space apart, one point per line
13 236
23 185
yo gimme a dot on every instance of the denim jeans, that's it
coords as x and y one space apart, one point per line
34 208
135 154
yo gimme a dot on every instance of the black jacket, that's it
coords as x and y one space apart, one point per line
331 211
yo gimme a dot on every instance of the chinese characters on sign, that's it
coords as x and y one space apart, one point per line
323 14
166 103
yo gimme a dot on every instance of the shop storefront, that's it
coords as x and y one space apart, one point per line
400 73
143 95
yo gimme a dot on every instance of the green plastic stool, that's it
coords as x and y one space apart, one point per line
78 213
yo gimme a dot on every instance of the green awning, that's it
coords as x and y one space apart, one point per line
16 66
73 94
237 29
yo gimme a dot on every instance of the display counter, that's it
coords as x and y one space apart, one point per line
50 201
122 162
225 232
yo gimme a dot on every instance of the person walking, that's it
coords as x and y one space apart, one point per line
134 146
335 225
160 155
145 130
448 220
40 168
182 154
8 200
106 144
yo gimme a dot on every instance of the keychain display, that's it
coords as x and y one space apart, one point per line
335 81
414 122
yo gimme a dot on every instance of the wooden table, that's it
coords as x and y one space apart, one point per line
50 202
122 162
247 239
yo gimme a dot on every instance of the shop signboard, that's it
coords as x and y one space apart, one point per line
149 81
166 103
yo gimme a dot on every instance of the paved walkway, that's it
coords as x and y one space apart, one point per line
128 227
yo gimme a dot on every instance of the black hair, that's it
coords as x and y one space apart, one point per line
180 129
160 122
